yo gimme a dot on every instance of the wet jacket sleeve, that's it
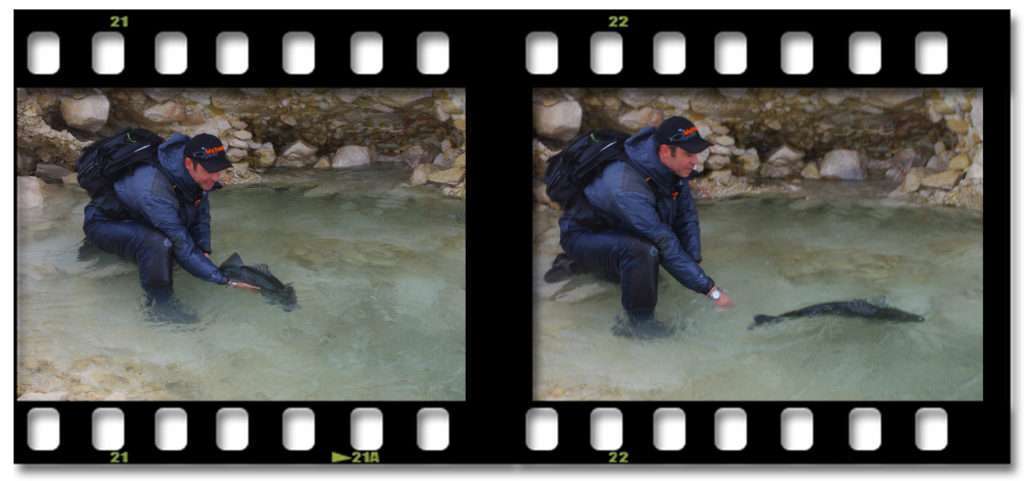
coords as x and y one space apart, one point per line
686 225
201 229
160 207
637 210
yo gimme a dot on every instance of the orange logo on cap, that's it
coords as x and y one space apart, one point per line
214 150
690 131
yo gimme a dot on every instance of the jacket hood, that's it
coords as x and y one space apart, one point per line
172 158
642 149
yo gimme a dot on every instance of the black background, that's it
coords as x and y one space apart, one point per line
487 58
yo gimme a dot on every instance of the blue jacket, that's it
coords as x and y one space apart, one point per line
622 198
148 196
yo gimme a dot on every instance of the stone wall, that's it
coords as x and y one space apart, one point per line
422 129
928 144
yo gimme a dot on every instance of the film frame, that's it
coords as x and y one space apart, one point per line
487 58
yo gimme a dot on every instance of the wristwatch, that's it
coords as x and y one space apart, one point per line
715 294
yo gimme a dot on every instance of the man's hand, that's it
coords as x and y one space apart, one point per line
724 302
242 285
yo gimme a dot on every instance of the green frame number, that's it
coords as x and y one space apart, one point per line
119 457
618 457
118 22
618 21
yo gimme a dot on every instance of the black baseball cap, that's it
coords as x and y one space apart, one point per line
208 151
680 131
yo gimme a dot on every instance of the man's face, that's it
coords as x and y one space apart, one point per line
205 179
677 160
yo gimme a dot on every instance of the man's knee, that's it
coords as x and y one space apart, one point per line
642 251
155 243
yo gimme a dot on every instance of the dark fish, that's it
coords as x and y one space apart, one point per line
259 275
855 308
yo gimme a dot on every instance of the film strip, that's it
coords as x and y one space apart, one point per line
487 60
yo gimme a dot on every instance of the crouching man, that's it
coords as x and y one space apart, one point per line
159 214
636 215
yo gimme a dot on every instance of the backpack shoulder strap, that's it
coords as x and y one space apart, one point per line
170 179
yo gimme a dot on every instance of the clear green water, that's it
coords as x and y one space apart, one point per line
772 255
379 270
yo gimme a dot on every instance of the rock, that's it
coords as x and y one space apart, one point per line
25 163
297 154
912 181
417 154
720 176
265 156
450 176
776 171
237 123
70 179
724 140
51 173
457 191
810 171
405 97
89 113
945 180
957 125
560 121
540 194
234 155
717 162
843 164
442 161
243 135
637 98
165 113
905 158
959 162
421 173
238 144
350 156
323 163
976 172
937 162
240 169
720 149
784 155
878 164
750 161
31 191
735 93
978 115
637 119
44 396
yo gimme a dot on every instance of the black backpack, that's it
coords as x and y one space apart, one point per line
569 171
106 160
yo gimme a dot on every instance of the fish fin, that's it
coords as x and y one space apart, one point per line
880 301
234 261
262 268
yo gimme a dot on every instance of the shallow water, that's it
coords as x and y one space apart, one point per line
379 270
772 255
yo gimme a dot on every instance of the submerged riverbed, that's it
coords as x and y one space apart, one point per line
378 267
772 254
